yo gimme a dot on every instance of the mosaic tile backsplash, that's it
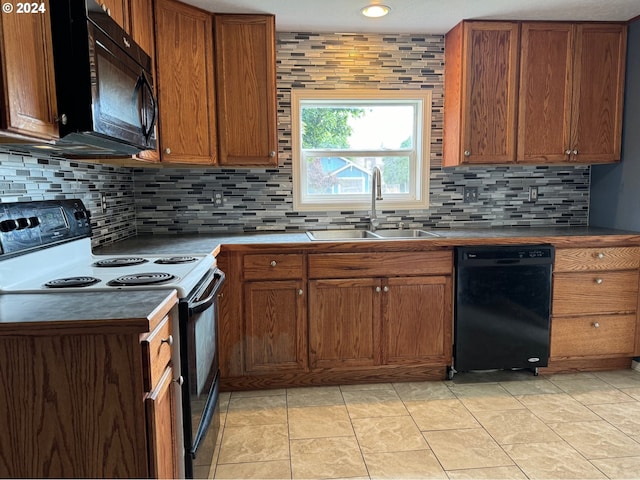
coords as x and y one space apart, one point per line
151 200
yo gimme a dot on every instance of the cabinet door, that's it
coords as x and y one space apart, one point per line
161 425
416 320
544 114
598 91
246 84
490 56
118 10
275 326
186 99
27 84
344 322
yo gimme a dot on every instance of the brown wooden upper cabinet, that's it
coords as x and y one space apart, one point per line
246 89
28 107
186 89
571 92
481 75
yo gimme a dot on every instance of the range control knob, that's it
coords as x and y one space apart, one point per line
33 222
8 225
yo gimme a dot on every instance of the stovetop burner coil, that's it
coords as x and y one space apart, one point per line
151 278
175 260
72 282
120 262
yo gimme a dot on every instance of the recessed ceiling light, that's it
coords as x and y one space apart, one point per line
375 11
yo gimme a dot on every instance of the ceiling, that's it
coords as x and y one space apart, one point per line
418 16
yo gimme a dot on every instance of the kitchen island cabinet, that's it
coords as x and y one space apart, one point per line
27 84
92 394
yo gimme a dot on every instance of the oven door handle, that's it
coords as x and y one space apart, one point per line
203 305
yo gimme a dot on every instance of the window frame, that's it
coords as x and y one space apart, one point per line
418 196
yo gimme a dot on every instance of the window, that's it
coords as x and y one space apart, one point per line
340 136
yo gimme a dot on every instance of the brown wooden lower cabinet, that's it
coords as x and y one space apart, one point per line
275 326
299 319
86 405
594 321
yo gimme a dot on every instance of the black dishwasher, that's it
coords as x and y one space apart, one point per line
502 307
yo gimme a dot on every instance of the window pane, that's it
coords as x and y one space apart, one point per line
366 127
352 175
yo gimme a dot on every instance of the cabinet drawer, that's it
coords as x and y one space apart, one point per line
596 292
586 259
268 266
156 353
349 265
594 335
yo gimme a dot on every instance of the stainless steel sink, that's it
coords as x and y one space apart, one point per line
368 235
405 233
342 235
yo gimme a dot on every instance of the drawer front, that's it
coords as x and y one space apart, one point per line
595 335
596 292
156 353
350 265
272 266
586 259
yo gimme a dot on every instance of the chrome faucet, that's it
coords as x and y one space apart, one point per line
376 194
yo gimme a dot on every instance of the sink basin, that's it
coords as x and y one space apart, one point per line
342 235
405 233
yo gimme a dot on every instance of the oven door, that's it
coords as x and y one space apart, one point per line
200 371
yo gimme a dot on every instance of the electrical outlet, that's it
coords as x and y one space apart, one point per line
470 194
533 194
218 199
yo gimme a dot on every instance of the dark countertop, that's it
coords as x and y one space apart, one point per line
126 311
210 243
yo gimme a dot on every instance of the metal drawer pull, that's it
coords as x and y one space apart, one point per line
168 340
596 325
600 255
273 263
599 281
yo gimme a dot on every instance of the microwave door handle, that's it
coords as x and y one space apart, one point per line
154 119
138 96
147 130
202 305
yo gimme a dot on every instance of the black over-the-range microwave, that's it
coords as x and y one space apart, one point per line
104 83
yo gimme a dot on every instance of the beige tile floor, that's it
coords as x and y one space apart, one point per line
497 425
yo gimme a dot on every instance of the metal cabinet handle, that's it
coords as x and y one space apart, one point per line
596 325
385 289
300 292
567 151
167 151
467 153
599 281
168 340
575 152
179 380
272 153
600 255
273 263
378 289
